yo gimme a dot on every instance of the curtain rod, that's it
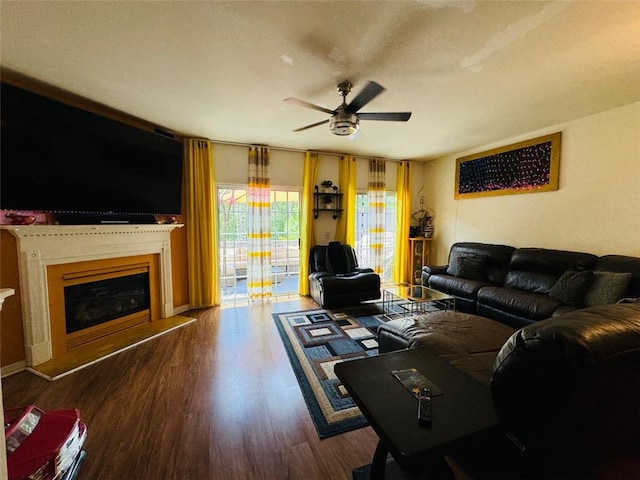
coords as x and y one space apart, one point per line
298 150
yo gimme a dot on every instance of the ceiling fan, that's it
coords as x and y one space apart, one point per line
345 119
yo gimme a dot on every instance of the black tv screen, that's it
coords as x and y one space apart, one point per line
59 158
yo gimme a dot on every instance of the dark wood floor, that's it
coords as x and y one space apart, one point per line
216 399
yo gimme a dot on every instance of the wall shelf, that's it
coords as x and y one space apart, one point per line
327 202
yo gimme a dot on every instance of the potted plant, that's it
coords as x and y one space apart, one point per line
328 186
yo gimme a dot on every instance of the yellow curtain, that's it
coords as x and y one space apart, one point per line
403 220
346 227
307 223
202 229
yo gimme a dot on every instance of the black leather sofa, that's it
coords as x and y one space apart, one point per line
336 280
567 388
518 286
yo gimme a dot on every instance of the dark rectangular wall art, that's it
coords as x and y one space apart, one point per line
526 167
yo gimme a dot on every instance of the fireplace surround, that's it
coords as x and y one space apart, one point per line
43 249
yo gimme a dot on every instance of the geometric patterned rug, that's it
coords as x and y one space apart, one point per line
315 340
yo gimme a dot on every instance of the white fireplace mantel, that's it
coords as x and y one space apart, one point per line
42 245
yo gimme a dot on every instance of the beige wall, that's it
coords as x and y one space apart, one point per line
596 209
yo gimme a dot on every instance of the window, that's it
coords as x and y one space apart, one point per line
362 233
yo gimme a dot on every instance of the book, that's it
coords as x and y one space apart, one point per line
413 381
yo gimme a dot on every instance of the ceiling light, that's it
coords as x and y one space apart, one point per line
344 124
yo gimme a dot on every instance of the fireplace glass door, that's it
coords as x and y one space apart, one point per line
91 303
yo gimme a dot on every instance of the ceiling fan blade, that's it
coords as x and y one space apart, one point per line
302 103
368 93
311 126
391 117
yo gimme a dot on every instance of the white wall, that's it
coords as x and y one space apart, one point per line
595 210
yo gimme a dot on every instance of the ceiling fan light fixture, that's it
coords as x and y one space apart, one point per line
345 119
344 124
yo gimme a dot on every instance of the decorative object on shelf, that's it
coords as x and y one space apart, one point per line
327 200
428 229
526 167
18 219
418 257
327 186
424 218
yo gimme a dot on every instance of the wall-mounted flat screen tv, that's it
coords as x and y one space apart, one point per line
59 158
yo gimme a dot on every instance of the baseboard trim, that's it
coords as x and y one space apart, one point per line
13 368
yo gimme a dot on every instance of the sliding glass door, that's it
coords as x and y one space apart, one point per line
285 234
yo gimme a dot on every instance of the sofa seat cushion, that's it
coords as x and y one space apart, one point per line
517 302
478 366
467 341
460 287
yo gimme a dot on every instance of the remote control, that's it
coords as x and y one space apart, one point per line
424 407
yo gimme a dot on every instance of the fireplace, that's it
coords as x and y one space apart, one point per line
93 299
55 259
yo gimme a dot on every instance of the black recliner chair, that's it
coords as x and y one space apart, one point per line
335 280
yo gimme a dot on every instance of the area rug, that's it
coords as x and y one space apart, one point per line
315 340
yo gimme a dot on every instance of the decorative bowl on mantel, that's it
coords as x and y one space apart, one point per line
17 219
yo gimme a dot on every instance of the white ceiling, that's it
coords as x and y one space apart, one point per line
472 72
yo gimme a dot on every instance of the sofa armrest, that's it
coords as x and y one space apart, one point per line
435 269
550 377
364 270
319 275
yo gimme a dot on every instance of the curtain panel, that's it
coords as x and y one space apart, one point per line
259 225
346 227
201 223
376 197
403 220
307 223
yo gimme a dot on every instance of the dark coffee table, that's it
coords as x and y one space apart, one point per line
464 411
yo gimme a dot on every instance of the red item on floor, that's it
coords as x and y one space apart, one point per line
42 445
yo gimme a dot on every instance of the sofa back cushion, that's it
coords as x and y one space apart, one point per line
344 255
338 260
317 258
479 261
538 269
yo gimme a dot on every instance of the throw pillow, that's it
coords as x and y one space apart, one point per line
571 287
608 287
470 267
